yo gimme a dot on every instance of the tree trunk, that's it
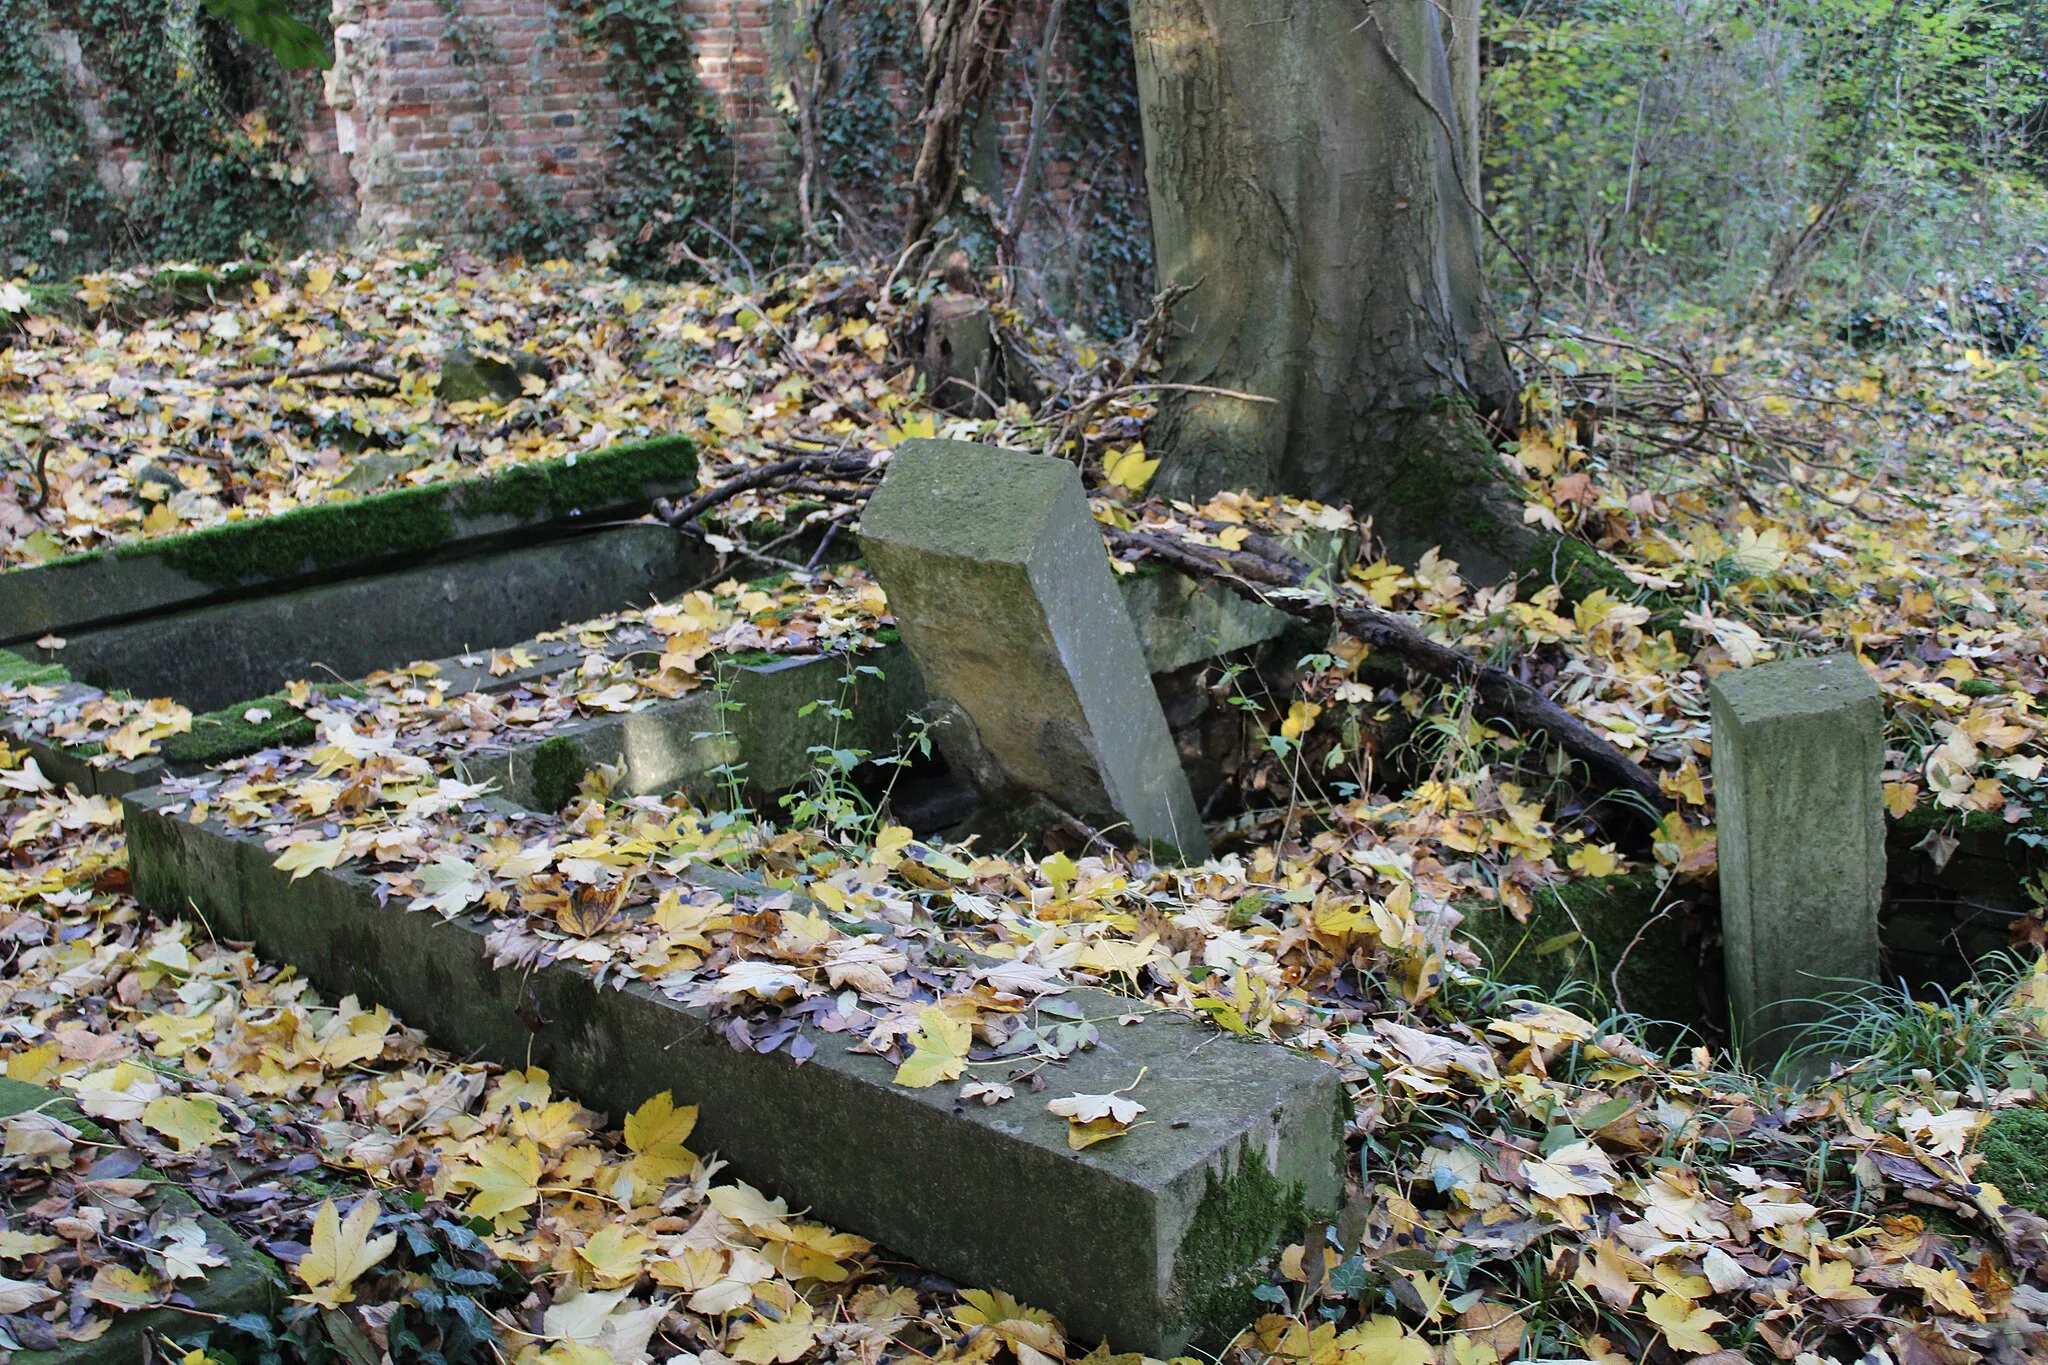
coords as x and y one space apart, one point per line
1307 181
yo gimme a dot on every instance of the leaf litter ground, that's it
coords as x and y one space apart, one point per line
1541 1179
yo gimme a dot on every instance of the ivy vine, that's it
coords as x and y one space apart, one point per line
213 125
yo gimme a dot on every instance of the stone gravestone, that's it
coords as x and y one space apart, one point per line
1798 753
998 578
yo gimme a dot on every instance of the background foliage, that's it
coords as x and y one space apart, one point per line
1739 150
214 124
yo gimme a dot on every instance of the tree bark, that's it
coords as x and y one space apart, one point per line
1307 184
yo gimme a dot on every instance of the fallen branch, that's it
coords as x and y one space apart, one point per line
358 367
681 515
1253 576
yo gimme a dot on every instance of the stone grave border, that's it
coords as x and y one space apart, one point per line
356 536
1144 1241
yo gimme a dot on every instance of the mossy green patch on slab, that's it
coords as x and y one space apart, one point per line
2015 1148
29 673
1245 1214
247 726
1580 931
414 521
558 769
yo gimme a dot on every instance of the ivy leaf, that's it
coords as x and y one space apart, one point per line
270 24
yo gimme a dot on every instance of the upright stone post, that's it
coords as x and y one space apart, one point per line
997 576
1798 753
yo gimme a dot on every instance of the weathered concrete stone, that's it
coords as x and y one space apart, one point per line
1147 1241
467 377
752 722
215 655
250 1282
1798 750
336 539
998 578
1181 622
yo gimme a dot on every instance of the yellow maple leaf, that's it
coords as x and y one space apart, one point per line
1832 1280
1595 860
655 1133
615 1254
189 1121
1301 718
507 1177
1128 468
939 1053
1944 1289
33 1065
765 1342
1383 1340
341 1252
1683 1323
312 855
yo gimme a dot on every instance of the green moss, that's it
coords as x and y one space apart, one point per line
217 736
405 521
412 521
558 769
1979 687
1579 930
2015 1148
1932 815
1579 571
1240 1220
612 477
29 673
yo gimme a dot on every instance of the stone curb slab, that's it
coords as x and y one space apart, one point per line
336 539
1798 761
215 655
1147 1241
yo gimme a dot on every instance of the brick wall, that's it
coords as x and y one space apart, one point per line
447 107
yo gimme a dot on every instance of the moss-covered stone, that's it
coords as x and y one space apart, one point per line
1243 1216
413 521
1579 571
217 736
29 673
250 1282
1580 930
469 378
2015 1148
558 769
612 477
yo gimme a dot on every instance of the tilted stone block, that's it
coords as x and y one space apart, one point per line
1798 753
997 575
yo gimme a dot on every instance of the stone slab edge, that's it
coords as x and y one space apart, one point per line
1125 1241
338 539
249 1283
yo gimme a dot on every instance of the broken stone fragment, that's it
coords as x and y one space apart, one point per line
470 378
997 575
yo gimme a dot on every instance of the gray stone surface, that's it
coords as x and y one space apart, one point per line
684 743
1181 622
1145 1240
1798 752
216 655
997 575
